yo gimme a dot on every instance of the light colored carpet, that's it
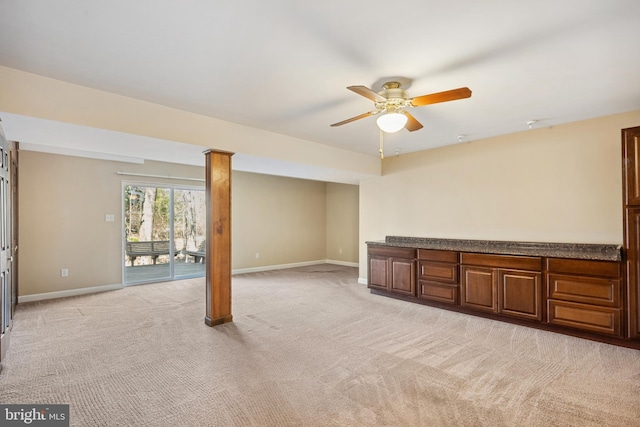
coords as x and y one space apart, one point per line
308 347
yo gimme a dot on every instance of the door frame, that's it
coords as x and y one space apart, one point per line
8 263
14 150
172 188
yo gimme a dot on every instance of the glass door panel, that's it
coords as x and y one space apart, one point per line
148 236
189 219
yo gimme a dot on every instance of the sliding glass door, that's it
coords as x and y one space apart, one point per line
163 233
189 221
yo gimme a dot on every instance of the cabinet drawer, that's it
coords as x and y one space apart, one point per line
435 255
391 251
440 271
502 261
584 267
589 290
435 291
590 318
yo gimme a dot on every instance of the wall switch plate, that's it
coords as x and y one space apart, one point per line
64 272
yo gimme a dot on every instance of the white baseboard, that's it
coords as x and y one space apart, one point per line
68 293
363 281
292 265
345 263
104 288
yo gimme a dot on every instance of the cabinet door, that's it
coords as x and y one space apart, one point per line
479 287
631 166
378 274
632 245
403 276
631 194
519 294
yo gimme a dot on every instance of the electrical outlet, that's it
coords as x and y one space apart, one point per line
340 250
64 272
257 255
109 218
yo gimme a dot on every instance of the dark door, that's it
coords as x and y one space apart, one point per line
631 205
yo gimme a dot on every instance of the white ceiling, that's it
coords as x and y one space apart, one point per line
283 66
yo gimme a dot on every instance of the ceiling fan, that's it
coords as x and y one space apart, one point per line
393 101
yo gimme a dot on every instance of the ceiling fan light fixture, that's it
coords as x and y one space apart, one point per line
391 122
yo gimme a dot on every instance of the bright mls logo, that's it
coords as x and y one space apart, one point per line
34 415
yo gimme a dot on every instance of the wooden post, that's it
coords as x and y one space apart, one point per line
218 247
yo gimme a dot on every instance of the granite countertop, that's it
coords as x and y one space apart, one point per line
599 252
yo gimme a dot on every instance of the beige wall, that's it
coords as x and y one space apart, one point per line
558 184
281 219
63 203
64 200
342 222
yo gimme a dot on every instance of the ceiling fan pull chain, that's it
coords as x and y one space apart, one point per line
381 146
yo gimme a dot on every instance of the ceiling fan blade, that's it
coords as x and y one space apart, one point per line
412 123
367 93
434 98
353 119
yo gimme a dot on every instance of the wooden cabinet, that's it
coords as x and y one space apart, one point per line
585 295
632 245
438 276
392 269
631 166
587 298
631 226
515 291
